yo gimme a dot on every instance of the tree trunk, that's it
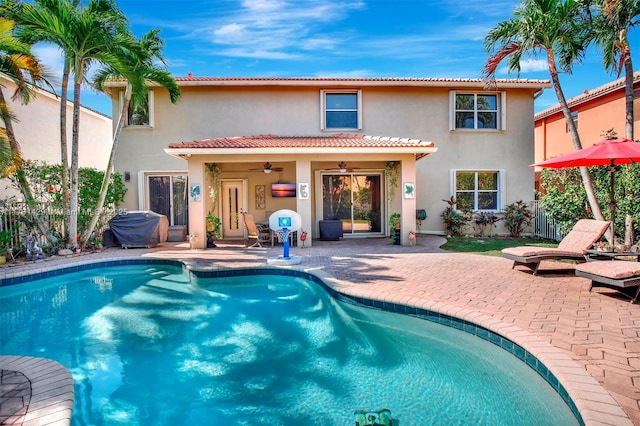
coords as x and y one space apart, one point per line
64 150
107 173
575 138
628 130
72 241
23 183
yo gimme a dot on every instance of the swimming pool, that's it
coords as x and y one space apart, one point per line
148 345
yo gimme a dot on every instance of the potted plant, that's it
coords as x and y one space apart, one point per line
394 227
213 229
5 243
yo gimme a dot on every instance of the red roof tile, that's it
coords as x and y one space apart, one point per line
363 81
334 141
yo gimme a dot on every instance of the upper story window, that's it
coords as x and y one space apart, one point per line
479 190
574 117
341 109
141 113
475 111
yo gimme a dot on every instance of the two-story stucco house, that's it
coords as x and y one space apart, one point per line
333 139
595 111
37 129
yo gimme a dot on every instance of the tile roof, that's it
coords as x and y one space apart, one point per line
190 80
589 95
334 141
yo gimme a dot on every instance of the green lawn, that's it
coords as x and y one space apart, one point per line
491 246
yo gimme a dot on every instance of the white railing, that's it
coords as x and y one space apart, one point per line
543 226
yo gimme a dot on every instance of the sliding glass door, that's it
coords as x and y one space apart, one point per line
355 199
168 196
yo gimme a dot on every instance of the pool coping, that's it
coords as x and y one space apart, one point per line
589 400
44 388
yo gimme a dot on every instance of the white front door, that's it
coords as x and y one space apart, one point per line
233 204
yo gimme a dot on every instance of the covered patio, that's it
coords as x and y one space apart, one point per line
355 179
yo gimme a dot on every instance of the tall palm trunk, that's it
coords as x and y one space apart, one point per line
23 183
107 173
64 150
72 241
628 129
575 138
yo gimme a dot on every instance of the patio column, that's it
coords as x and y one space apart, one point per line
407 198
304 208
197 225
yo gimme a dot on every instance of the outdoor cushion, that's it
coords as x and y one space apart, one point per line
616 270
573 246
616 274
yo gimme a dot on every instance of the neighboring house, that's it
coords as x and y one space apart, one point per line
595 112
37 129
449 137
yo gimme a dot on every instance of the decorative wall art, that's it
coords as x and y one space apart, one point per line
195 192
260 203
409 190
303 191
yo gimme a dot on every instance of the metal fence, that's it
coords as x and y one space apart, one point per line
16 218
543 226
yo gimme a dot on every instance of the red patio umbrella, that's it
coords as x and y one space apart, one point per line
609 152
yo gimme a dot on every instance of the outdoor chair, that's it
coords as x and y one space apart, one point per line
256 234
572 247
615 274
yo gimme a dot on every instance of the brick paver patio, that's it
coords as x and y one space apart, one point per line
599 331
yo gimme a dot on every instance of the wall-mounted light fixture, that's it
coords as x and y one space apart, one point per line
127 176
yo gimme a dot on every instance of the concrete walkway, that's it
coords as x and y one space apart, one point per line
582 337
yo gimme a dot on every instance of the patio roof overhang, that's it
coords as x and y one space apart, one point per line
335 144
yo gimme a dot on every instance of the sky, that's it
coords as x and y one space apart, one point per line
335 38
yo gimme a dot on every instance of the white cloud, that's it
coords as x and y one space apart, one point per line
533 65
53 59
276 29
229 33
527 65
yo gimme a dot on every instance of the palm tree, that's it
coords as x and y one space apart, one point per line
559 30
610 32
140 71
19 65
87 35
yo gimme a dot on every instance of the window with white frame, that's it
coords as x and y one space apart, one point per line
140 113
478 189
477 111
341 109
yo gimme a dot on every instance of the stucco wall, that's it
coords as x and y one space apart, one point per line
37 130
413 112
595 117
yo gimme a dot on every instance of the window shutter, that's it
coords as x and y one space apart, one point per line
322 114
502 189
452 110
452 182
359 109
503 110
151 108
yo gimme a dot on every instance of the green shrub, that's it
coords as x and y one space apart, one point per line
517 217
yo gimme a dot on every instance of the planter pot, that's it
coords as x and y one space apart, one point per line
3 260
330 230
396 239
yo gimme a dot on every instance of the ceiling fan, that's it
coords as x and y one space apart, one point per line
267 168
343 168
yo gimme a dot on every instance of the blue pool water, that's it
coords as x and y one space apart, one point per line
147 346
